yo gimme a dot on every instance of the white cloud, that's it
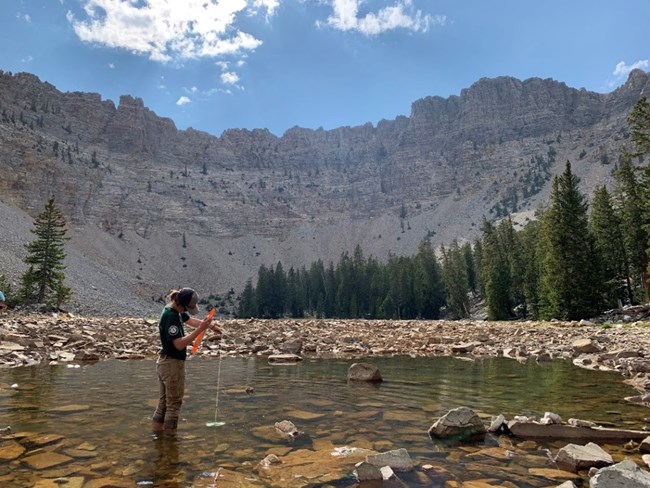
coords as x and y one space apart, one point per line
111 65
166 30
26 17
622 69
183 100
28 59
401 15
269 5
229 77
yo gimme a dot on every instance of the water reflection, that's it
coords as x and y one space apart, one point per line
107 406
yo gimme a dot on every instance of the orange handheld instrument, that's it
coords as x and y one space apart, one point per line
197 340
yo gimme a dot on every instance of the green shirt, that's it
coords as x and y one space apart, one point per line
171 328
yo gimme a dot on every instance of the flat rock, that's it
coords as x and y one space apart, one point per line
10 450
624 474
398 459
573 457
46 460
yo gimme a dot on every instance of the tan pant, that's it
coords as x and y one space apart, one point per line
171 379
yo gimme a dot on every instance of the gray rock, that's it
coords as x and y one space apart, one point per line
585 346
550 418
461 422
644 447
364 372
284 358
567 484
625 474
398 459
287 430
574 457
365 471
497 424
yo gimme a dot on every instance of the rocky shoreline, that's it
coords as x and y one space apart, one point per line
28 339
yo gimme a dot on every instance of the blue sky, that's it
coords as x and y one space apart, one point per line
275 64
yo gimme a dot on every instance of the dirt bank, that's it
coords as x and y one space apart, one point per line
30 339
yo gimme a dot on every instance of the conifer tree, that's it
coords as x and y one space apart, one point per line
454 272
631 203
43 282
428 289
569 285
605 226
639 122
496 275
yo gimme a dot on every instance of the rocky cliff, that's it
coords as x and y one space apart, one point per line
151 207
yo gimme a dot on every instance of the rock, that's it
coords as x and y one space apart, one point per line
550 418
291 347
284 358
270 460
581 423
625 474
644 447
365 471
585 346
364 372
498 425
646 459
464 348
567 484
287 430
574 457
460 422
46 460
399 460
387 473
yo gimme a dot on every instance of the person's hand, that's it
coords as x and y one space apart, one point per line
216 329
206 323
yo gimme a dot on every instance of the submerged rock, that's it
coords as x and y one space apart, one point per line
364 372
459 422
399 460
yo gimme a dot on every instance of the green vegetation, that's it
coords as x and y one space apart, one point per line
43 280
569 264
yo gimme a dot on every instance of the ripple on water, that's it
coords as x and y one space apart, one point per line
108 405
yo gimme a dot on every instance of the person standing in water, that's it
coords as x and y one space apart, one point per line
3 304
170 366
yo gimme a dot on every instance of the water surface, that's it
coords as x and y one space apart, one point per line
108 406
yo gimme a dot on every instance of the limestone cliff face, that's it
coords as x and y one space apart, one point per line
308 194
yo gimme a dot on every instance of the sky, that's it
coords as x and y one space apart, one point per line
214 65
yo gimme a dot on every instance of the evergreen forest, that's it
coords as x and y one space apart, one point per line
573 262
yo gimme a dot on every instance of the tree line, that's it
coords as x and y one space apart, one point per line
572 262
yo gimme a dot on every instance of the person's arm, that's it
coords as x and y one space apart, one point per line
182 342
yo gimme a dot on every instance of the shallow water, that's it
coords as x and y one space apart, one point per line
108 406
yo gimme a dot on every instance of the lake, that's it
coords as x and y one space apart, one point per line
102 412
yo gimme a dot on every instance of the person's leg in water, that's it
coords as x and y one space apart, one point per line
171 377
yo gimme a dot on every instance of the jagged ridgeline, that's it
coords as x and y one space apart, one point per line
151 207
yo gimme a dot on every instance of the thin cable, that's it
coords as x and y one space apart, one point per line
216 403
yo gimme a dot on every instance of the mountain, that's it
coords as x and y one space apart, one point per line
151 207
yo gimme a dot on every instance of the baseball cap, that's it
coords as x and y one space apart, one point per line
188 298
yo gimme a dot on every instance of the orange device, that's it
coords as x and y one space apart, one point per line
197 340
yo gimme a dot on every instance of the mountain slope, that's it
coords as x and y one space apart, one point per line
151 207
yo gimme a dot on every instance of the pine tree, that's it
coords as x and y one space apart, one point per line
639 122
605 226
630 203
454 272
569 285
43 280
496 275
428 290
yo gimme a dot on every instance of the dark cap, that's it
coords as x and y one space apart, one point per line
188 298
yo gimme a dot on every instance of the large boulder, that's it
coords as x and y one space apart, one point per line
459 422
364 372
574 457
625 474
